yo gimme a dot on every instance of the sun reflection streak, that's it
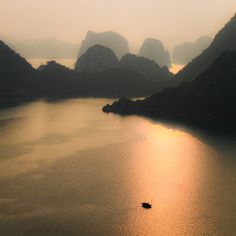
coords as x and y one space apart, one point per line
63 152
169 164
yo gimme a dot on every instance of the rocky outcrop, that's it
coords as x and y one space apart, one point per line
96 58
154 50
109 39
186 52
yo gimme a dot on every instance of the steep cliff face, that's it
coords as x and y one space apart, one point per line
109 39
96 58
154 50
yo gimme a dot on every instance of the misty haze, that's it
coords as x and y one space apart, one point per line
117 118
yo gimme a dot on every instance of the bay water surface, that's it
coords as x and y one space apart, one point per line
67 168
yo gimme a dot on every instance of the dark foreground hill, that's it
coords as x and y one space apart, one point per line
223 41
96 58
19 80
99 58
146 67
16 74
210 98
58 80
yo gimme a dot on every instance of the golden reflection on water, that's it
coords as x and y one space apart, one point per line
170 171
69 167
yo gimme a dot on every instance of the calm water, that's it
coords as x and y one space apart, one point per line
66 168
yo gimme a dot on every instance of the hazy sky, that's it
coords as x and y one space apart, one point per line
172 21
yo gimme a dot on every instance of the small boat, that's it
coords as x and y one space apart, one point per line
146 205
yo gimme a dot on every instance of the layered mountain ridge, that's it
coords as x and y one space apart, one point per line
206 91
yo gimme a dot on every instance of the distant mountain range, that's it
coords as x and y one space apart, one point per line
223 41
186 52
19 80
110 39
211 97
45 48
208 94
154 50
204 91
99 58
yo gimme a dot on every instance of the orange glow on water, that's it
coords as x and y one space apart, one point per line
170 166
61 167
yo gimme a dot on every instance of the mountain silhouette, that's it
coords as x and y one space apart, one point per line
60 81
96 58
99 58
117 82
56 80
186 52
208 95
223 41
154 50
20 81
55 70
146 67
109 39
16 74
210 98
